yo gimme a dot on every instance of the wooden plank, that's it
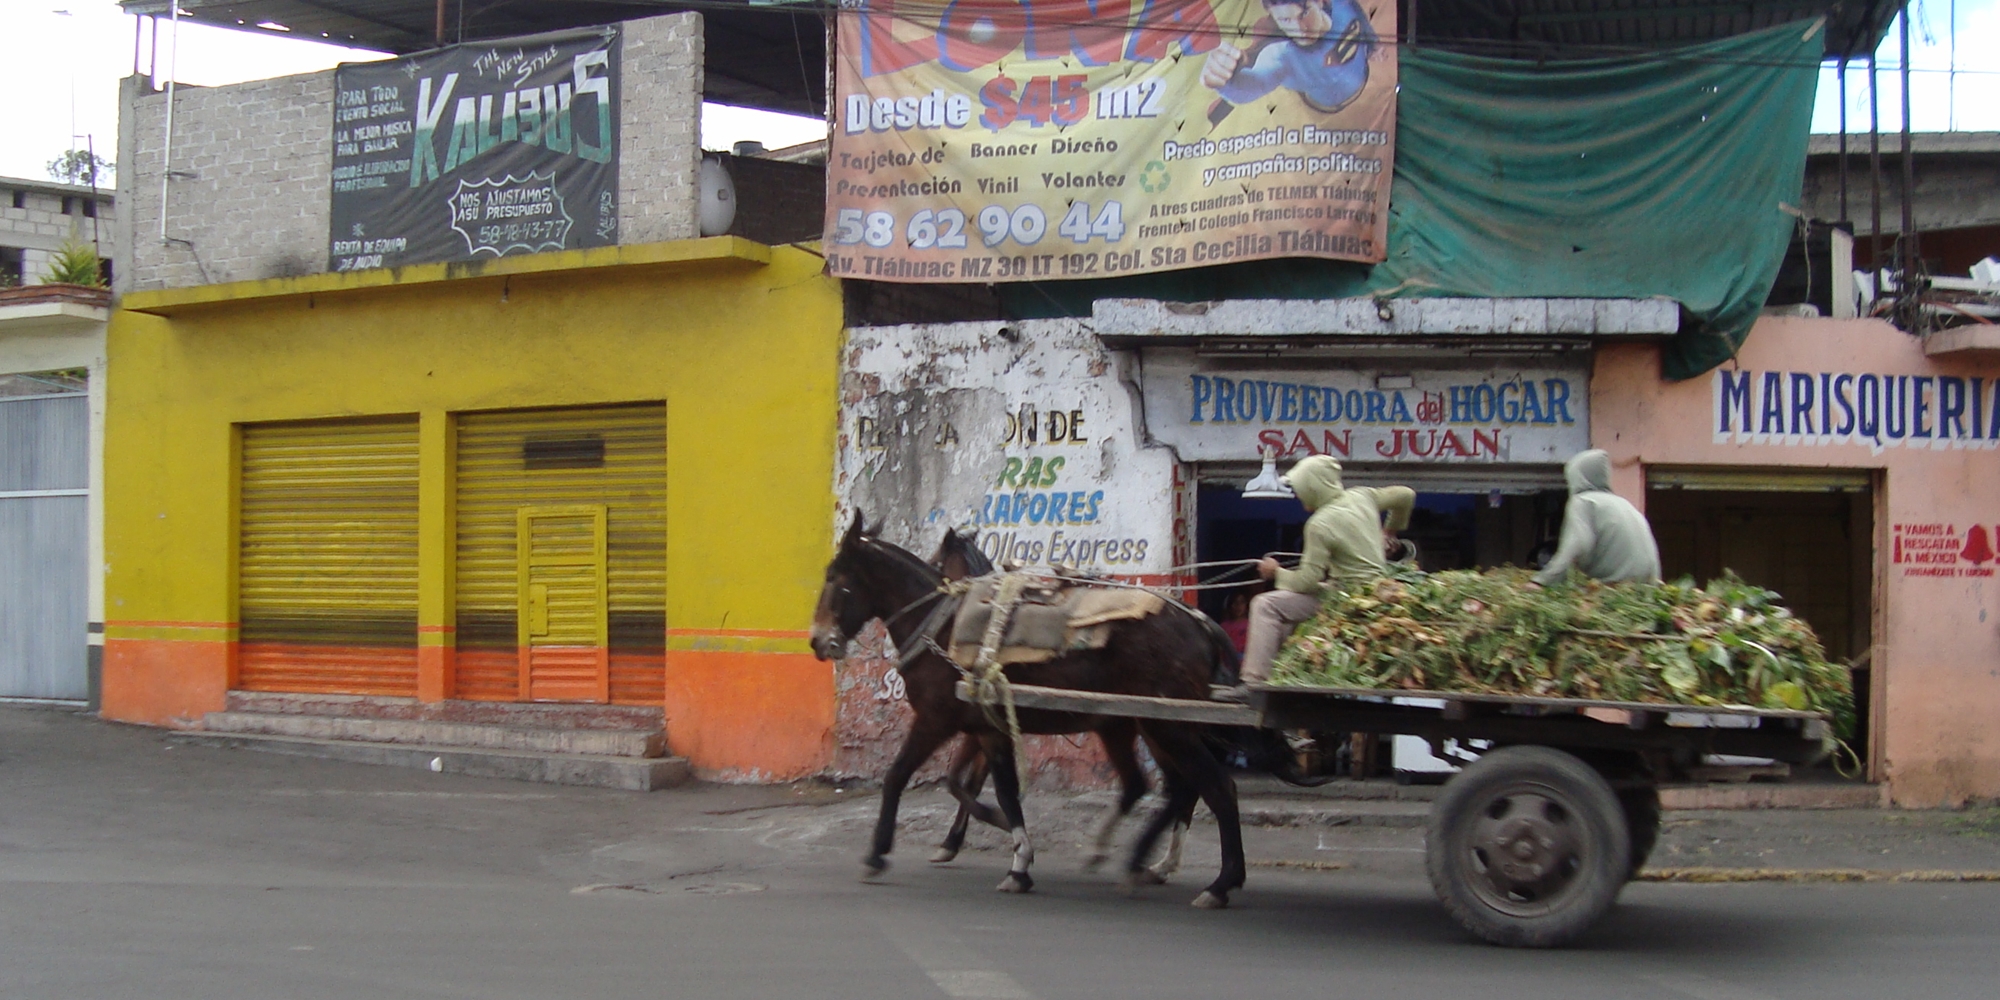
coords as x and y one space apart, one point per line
1564 703
1126 705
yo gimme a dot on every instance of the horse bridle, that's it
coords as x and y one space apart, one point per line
928 628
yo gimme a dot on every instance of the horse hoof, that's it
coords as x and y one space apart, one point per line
1210 901
943 855
1016 882
1091 863
1147 876
872 868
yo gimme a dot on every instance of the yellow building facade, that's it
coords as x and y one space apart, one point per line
598 476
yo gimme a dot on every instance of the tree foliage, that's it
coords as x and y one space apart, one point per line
81 166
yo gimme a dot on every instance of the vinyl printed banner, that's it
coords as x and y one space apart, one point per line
475 150
1022 140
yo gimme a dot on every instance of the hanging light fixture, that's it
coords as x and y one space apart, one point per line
1267 485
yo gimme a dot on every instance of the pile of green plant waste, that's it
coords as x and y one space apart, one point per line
1729 643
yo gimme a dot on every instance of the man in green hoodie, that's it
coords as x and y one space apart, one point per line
1344 547
1603 536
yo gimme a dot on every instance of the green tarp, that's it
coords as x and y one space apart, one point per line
1666 173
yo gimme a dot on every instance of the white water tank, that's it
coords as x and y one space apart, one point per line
716 198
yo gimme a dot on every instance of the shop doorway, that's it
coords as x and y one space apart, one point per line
1452 528
1512 521
1807 535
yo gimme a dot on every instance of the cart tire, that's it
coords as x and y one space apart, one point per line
1642 819
1527 847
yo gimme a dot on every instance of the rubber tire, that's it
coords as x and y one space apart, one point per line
1605 851
1642 819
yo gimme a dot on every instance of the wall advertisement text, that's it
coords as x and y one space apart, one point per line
484 149
1021 140
1856 408
1448 415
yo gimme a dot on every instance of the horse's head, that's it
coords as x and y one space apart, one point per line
958 558
843 606
868 578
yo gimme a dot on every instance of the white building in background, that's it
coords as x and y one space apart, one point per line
37 217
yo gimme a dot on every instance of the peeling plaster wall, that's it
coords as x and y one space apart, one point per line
1036 439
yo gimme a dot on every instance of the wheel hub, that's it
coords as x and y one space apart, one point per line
1525 850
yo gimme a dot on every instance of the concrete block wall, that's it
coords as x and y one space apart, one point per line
660 128
40 227
252 163
248 196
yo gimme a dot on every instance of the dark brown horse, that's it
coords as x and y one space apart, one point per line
957 558
1171 654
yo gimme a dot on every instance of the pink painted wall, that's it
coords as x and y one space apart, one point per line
1937 635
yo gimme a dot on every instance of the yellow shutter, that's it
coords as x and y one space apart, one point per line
612 457
328 557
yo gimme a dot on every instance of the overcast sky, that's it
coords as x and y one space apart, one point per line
60 63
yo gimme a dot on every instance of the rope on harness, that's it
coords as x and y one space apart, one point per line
988 679
949 596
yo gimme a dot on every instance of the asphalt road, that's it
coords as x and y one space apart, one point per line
131 867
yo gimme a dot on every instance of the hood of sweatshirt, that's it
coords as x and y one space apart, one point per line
1316 480
1588 471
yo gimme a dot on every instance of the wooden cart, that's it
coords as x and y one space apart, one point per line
1530 843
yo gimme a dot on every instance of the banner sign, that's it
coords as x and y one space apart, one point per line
1022 140
1447 415
475 150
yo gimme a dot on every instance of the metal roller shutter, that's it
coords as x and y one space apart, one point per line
44 542
328 571
542 476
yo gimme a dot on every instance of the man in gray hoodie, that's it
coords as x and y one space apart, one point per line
1344 542
1603 535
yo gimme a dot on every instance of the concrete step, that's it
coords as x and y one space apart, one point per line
545 715
470 735
639 774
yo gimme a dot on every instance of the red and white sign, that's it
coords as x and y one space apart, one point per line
1940 548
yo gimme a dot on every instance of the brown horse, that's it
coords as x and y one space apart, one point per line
1171 654
957 558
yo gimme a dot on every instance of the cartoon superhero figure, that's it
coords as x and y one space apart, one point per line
1323 55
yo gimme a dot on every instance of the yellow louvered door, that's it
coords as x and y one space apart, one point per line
610 458
327 570
562 632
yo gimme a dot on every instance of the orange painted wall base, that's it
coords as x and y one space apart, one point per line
164 682
750 717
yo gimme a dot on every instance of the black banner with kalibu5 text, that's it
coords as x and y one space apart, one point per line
475 150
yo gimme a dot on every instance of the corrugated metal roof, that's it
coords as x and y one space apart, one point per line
758 54
772 54
1582 28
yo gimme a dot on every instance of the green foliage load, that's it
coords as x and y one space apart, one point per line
1729 643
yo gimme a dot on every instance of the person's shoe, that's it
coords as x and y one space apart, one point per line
1239 694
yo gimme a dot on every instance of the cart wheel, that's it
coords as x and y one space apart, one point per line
1527 847
1642 819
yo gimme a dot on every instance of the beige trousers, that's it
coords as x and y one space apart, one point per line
1273 615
